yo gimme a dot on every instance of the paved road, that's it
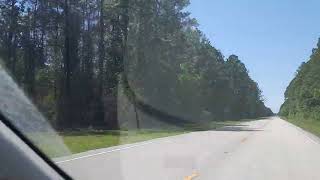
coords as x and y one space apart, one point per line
258 150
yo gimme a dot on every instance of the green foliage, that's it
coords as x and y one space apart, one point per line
302 97
69 57
80 142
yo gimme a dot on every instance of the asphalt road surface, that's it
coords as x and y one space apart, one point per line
258 150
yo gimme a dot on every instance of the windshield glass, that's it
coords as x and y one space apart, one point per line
165 89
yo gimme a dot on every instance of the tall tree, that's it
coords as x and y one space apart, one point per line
302 96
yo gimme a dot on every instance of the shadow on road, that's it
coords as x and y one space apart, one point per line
239 127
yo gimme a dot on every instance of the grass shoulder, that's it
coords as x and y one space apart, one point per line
85 140
312 126
88 140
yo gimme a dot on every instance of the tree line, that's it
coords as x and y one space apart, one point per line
73 57
302 97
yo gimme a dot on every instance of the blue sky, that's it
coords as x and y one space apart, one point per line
272 37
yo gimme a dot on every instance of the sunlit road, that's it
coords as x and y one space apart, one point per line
265 149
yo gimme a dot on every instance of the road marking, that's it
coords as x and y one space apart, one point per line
244 139
105 152
194 175
307 134
123 148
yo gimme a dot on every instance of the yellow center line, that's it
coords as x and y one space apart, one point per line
244 139
194 175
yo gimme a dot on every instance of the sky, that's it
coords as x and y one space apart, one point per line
272 37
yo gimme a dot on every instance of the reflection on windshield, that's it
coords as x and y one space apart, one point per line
24 116
71 58
112 76
127 65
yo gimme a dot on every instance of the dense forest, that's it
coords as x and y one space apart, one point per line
74 58
302 97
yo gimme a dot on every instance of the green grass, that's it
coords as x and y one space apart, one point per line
84 141
81 141
312 126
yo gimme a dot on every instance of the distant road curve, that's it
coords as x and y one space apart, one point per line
258 150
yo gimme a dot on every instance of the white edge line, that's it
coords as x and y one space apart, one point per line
110 151
307 134
105 152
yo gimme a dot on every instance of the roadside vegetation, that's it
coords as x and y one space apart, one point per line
85 140
312 126
74 58
302 97
82 141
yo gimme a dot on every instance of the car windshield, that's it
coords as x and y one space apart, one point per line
165 89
